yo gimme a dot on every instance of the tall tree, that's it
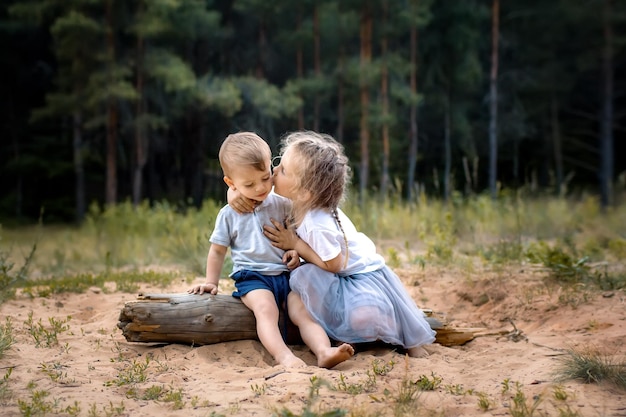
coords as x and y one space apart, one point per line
366 25
417 16
74 32
384 94
493 99
606 130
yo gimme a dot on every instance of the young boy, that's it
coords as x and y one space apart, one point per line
260 271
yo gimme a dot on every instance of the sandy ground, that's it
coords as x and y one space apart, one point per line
528 328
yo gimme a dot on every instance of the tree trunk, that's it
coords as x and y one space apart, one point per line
606 134
557 147
384 92
300 69
413 145
447 140
140 146
111 127
79 169
340 95
366 57
208 319
316 65
493 101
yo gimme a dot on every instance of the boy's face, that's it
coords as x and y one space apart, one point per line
251 182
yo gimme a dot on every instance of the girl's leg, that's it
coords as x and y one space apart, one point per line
263 305
315 337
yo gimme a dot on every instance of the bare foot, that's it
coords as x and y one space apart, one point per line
417 352
335 355
292 361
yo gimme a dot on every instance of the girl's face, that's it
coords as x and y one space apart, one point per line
284 176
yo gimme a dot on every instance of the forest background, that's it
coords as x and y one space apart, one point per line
116 100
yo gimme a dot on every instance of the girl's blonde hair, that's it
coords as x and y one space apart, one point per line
322 171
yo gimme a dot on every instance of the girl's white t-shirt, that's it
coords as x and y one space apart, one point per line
322 233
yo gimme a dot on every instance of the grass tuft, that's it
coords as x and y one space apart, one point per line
592 367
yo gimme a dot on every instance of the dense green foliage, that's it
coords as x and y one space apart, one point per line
104 101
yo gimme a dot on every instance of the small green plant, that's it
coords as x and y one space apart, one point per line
427 384
483 401
131 374
55 371
153 392
456 389
393 258
5 392
369 385
559 393
314 391
259 389
506 386
522 406
562 266
9 279
73 410
38 404
405 401
46 337
6 336
175 397
382 368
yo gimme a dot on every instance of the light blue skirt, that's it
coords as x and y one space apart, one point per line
361 308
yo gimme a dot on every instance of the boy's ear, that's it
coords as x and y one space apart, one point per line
229 182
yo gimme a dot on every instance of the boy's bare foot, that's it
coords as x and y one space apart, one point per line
417 352
335 355
292 361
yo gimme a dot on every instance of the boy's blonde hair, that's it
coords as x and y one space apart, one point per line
244 149
322 171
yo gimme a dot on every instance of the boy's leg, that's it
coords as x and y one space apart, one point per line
314 335
263 305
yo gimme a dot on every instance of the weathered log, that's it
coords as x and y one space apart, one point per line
208 319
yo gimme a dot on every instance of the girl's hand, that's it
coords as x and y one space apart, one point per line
281 236
239 203
291 259
202 288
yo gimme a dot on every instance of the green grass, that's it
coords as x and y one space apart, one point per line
572 240
591 366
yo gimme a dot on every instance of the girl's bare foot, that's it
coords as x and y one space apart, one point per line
335 355
417 352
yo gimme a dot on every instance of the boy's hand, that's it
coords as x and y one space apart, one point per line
202 288
291 259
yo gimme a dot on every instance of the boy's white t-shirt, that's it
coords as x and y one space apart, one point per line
243 233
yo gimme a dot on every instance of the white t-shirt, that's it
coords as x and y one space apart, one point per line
320 230
243 233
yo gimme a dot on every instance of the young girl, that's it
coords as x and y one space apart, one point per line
345 285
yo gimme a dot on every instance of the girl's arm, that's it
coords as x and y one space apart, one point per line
239 203
286 238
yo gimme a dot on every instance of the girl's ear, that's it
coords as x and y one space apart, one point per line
229 182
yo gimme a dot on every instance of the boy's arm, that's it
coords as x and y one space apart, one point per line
214 263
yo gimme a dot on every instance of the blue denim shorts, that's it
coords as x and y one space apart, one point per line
246 281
